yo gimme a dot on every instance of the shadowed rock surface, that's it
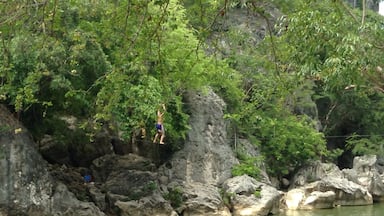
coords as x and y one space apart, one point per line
26 187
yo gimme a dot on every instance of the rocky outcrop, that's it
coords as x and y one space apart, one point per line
250 197
207 156
314 171
65 203
202 199
366 174
206 160
328 193
189 184
26 187
130 186
246 147
243 21
300 198
324 185
76 149
146 206
196 181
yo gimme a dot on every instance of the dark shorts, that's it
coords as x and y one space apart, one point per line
160 128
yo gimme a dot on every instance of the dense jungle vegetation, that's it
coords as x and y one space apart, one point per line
114 62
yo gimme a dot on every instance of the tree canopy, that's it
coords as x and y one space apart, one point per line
113 62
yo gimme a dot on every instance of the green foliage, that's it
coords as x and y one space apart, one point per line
95 60
290 141
202 14
150 187
257 193
114 62
128 104
332 46
327 47
4 129
164 62
333 154
175 197
265 111
226 197
248 165
267 115
365 146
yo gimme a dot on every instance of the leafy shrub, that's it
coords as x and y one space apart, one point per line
248 165
175 197
257 193
226 197
289 142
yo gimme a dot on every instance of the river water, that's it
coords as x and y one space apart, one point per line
371 210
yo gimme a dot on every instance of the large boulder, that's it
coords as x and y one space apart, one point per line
365 173
202 199
300 198
347 192
324 185
104 166
314 171
64 203
26 186
250 197
327 193
130 186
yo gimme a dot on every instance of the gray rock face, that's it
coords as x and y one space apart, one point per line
72 152
25 181
203 199
327 193
334 187
65 203
240 19
130 186
320 200
298 199
207 156
313 172
26 187
206 160
347 193
250 197
147 206
365 173
250 149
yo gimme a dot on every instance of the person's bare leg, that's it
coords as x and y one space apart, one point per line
156 136
143 133
162 138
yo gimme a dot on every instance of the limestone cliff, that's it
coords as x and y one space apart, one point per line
26 187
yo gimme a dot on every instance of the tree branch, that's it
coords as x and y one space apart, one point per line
348 10
364 11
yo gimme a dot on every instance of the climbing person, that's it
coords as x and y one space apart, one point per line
160 130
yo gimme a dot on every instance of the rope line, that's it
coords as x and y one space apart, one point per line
357 135
236 139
